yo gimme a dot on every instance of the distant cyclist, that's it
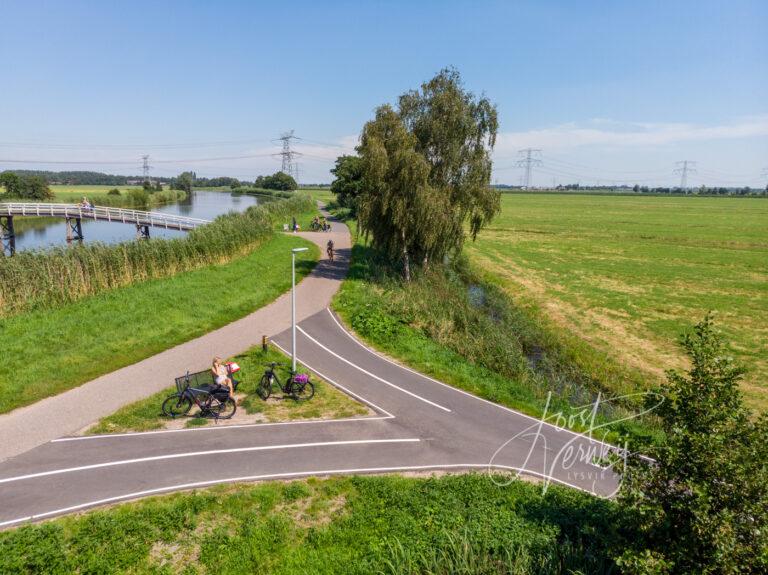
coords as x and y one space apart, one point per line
329 249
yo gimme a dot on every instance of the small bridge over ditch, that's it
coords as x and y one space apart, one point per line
75 214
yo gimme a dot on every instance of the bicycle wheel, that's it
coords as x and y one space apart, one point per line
177 405
264 390
302 392
222 409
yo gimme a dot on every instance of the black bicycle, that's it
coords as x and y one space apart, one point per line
213 400
297 386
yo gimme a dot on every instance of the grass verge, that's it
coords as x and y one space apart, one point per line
358 525
328 402
61 348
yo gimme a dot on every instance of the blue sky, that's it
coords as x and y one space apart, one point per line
610 91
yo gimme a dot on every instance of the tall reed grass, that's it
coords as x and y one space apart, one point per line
137 198
53 277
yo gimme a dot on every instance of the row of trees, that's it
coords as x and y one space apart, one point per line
703 191
25 186
82 178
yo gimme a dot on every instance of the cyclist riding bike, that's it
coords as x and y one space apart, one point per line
329 249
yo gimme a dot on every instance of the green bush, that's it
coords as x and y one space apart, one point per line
139 197
113 192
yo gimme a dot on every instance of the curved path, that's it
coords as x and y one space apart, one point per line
420 424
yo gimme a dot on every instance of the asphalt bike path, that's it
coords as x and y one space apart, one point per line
419 424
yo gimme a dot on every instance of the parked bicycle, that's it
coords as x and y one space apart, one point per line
199 389
297 386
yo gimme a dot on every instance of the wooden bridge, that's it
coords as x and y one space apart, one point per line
74 215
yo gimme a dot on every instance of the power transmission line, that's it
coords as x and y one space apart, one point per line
133 162
65 146
529 160
684 168
289 166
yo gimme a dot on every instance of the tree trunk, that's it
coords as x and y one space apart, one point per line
406 259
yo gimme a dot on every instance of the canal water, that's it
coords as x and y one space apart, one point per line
45 232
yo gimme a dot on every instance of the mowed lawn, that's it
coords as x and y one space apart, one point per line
629 274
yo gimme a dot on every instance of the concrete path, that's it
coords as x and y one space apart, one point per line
68 412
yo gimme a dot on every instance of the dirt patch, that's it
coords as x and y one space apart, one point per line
173 556
313 511
178 555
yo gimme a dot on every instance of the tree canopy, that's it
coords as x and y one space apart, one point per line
277 181
25 186
426 170
184 182
348 184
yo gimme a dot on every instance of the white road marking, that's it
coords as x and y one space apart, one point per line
373 375
336 384
183 486
468 394
200 453
219 428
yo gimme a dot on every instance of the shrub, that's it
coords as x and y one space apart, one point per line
139 198
113 192
702 507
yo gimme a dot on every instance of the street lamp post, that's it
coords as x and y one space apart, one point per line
294 251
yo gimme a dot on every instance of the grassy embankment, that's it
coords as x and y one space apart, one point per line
359 525
328 402
83 312
616 279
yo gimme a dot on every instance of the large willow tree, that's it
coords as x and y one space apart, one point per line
427 171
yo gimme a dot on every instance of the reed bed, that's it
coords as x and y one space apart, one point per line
53 277
136 198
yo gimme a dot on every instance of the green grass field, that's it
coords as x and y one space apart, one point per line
359 525
67 193
76 342
628 274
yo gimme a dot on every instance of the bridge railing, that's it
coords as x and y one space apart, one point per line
138 217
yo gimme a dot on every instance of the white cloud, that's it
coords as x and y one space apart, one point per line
606 132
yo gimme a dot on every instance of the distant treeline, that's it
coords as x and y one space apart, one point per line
637 189
86 178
